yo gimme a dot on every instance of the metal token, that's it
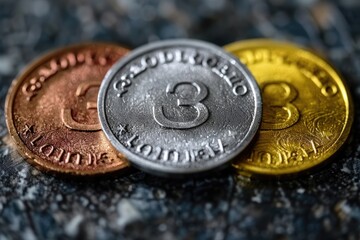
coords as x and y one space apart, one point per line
179 107
307 112
51 111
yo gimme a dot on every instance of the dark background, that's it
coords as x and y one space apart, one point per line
321 205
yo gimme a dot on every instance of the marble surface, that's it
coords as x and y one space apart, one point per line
322 205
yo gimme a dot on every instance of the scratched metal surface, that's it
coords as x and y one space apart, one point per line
324 204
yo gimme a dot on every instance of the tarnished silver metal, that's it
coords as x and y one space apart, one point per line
179 107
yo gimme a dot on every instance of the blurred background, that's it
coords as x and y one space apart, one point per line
324 204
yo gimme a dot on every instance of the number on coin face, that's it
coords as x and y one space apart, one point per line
278 95
185 101
307 113
179 107
52 111
66 113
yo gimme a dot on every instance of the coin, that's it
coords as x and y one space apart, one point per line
179 107
51 111
307 110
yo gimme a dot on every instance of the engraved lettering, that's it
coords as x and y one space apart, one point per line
149 61
35 140
264 157
60 155
90 160
309 70
89 58
122 85
31 88
94 159
27 130
48 72
144 148
223 70
202 154
70 156
319 77
234 78
64 63
130 142
235 81
103 158
239 89
47 149
329 90
195 59
277 158
211 62
280 160
80 58
211 151
221 146
173 155
189 156
170 155
158 151
72 59
122 129
247 57
166 57
136 70
179 56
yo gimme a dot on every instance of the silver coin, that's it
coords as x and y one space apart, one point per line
179 107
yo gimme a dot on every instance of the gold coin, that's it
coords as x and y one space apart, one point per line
307 109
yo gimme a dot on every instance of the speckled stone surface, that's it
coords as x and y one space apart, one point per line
134 205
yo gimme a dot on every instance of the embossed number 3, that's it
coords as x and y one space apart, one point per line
273 100
202 110
66 115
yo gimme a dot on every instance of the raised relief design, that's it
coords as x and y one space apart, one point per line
279 95
122 129
297 137
27 130
31 88
61 156
287 152
202 110
224 70
66 113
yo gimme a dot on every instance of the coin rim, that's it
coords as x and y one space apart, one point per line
320 61
32 158
164 170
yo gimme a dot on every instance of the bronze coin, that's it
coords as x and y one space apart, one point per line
51 111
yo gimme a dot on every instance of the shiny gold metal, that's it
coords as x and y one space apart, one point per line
307 110
51 111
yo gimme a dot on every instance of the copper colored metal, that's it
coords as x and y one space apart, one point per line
51 111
